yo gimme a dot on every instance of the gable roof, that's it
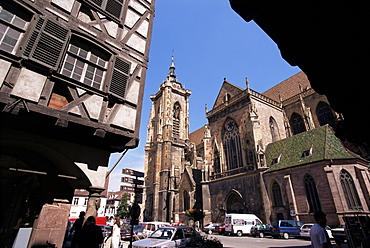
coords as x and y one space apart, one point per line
321 142
289 87
229 88
197 136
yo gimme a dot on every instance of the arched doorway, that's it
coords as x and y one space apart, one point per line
234 202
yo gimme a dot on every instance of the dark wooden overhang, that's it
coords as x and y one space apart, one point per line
329 41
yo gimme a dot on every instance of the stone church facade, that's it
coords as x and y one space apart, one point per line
275 154
171 172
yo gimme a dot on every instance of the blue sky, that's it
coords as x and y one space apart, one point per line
210 42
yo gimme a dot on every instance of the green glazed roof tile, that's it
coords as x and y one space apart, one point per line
311 146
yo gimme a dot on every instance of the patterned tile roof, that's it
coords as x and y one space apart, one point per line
311 146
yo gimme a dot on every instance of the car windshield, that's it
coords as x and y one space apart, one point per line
162 233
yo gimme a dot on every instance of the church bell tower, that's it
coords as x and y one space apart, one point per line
168 134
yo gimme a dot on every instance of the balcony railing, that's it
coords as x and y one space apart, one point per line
232 172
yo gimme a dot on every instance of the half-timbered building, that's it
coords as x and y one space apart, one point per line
72 76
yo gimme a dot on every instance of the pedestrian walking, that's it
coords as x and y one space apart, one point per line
76 229
319 236
116 232
91 235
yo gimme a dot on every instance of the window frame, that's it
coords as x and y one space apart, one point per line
10 25
86 62
350 192
311 193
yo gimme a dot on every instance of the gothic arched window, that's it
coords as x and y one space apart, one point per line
350 192
216 161
232 146
324 114
186 199
297 124
311 193
176 119
274 130
277 199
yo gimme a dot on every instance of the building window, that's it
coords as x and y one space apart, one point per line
277 199
250 156
112 8
176 119
311 194
324 114
186 199
275 136
85 63
297 124
216 161
306 153
232 146
13 24
350 192
75 201
86 200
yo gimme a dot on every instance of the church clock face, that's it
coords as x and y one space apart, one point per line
229 125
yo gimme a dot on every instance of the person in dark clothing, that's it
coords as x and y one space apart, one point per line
76 228
91 235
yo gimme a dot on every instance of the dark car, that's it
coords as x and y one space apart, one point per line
106 230
339 233
126 232
286 228
210 228
220 229
261 230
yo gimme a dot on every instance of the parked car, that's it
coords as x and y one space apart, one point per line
106 230
168 237
211 227
150 227
305 231
177 224
261 230
126 232
220 229
339 233
240 224
286 228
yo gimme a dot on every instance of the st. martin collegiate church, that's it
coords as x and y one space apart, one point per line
279 154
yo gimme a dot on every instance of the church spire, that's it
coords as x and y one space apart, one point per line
171 73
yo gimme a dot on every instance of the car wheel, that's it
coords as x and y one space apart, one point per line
286 235
209 231
262 235
239 233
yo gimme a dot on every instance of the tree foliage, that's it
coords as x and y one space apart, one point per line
123 210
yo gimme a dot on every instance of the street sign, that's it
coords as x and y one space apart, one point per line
133 173
132 180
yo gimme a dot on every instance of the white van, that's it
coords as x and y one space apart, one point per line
240 224
150 227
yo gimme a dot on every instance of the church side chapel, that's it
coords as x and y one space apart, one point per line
280 154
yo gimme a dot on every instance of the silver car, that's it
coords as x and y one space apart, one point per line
168 237
305 231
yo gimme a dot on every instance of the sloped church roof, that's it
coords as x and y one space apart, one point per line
311 146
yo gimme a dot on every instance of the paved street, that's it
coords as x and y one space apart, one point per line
268 242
